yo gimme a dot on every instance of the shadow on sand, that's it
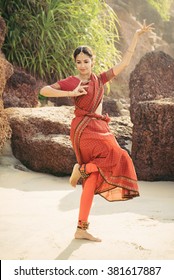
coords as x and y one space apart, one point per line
74 245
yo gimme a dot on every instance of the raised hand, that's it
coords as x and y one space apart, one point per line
145 28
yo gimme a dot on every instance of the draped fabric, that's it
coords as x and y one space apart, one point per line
94 143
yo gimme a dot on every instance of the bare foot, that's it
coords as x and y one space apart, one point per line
75 176
83 234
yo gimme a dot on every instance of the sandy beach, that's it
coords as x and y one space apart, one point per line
38 216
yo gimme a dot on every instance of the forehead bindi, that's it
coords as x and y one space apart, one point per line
82 57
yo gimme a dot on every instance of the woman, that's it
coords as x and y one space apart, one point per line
105 168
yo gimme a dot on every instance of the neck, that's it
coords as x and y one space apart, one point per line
84 77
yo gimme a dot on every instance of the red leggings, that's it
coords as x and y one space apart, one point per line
88 192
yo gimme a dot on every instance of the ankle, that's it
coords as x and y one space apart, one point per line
82 225
82 233
83 172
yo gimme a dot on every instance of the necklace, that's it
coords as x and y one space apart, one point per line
84 80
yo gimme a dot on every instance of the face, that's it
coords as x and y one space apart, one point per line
83 64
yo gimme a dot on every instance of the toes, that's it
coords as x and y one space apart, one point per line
75 176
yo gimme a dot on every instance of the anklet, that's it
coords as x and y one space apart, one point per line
82 170
83 225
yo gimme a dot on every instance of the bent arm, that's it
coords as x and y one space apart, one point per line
128 55
55 91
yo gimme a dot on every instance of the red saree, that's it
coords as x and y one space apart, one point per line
93 142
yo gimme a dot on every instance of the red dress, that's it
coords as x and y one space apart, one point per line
94 143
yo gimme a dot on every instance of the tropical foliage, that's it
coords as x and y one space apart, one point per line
42 34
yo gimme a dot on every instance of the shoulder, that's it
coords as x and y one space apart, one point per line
107 76
69 83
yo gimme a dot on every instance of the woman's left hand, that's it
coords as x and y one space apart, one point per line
144 28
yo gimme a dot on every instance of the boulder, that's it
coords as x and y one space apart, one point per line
152 110
152 79
21 90
6 71
68 101
111 106
40 138
153 140
121 127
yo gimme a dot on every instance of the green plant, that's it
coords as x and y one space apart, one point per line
43 34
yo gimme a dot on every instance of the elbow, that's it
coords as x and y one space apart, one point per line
43 91
118 69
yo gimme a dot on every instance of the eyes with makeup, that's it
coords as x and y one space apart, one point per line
85 61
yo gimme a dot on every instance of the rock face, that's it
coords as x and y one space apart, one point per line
40 138
5 130
111 107
152 111
153 78
6 71
20 90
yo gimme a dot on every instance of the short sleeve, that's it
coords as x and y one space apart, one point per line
107 76
68 84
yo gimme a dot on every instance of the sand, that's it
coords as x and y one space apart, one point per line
38 216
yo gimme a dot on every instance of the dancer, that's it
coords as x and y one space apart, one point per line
104 167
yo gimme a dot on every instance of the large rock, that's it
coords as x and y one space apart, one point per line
153 140
152 78
68 101
21 90
40 138
121 127
152 111
6 71
111 106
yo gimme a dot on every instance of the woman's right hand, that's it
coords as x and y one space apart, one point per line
80 90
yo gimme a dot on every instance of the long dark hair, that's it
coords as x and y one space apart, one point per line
84 49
